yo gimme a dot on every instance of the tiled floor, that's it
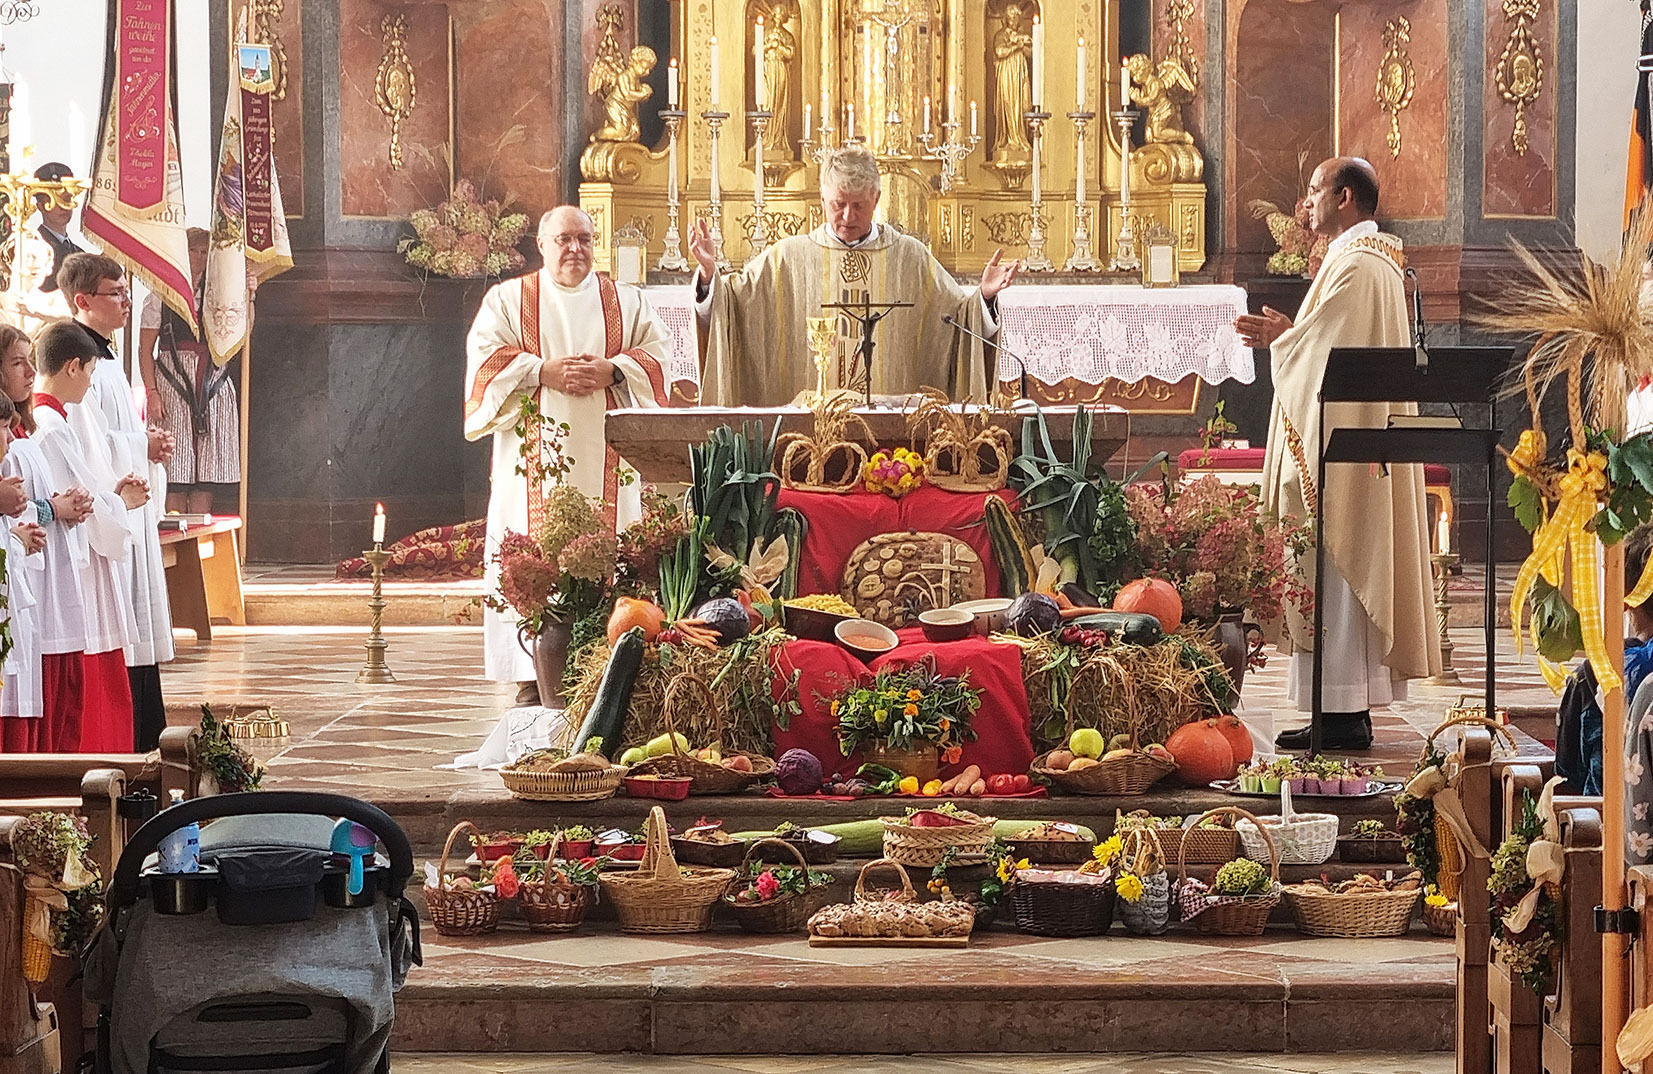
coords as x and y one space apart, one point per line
1125 1063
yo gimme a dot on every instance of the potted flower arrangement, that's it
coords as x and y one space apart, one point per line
496 845
466 236
554 894
1369 841
768 897
1300 251
910 719
63 902
538 843
576 842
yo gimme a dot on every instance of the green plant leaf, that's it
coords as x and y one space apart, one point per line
1560 634
1527 502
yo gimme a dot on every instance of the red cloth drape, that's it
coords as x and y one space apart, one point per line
838 523
1003 726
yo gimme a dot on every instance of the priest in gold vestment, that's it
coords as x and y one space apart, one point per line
1377 615
757 344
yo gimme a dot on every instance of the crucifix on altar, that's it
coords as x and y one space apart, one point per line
867 314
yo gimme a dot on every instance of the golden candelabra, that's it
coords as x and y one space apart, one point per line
671 258
1442 563
1037 260
951 151
376 670
714 204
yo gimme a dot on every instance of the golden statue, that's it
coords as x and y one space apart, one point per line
1013 85
779 49
617 78
1162 92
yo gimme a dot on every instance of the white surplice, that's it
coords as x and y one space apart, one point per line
60 616
109 413
25 581
522 322
105 573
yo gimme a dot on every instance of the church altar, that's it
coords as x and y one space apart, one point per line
1120 344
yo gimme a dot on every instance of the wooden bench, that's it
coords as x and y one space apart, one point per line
1572 1012
203 576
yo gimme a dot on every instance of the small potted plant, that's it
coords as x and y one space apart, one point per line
1325 776
910 719
1358 780
1369 841
576 842
1278 771
1251 778
616 844
490 848
538 843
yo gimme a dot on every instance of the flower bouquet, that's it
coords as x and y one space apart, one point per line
905 710
466 237
63 901
894 473
1300 251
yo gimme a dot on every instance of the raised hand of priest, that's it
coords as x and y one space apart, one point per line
998 275
12 497
32 535
1261 330
703 249
133 491
161 445
72 505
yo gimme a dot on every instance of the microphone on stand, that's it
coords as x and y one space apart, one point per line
1420 344
1020 364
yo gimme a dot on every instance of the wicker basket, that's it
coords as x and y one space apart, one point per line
460 913
1441 920
37 953
1365 914
1052 851
892 918
1143 855
661 897
1048 908
588 786
715 855
708 778
552 904
787 913
1237 917
1301 839
925 847
1122 776
1200 846
1446 842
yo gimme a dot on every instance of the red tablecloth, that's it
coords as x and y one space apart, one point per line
838 523
1003 726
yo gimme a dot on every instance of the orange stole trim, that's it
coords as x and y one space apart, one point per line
533 445
491 368
656 374
614 327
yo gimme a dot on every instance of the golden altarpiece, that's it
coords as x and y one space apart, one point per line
940 90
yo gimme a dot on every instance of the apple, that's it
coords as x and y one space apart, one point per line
738 763
1087 742
1059 760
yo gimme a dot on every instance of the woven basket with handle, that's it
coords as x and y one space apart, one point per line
587 786
662 896
1131 775
1352 914
1229 916
1144 855
689 689
464 912
1446 842
789 912
553 904
925 847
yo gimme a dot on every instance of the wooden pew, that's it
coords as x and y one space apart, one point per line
1476 787
1639 880
1515 1013
1572 1013
57 775
98 803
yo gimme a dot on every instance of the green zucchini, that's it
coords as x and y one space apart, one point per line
1010 549
1134 628
865 838
789 523
608 708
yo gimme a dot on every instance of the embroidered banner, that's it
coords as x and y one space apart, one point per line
143 98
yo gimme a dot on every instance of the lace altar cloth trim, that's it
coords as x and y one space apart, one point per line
1086 332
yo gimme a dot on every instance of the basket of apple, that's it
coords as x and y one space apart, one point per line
1090 764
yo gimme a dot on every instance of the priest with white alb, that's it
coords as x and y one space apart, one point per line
757 343
1377 608
578 344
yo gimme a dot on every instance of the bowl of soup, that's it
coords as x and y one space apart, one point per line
865 638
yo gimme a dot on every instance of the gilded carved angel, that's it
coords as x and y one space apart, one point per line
618 80
1162 91
780 47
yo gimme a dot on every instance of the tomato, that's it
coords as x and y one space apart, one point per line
1002 783
1021 782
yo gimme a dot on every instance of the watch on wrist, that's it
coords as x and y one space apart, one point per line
619 377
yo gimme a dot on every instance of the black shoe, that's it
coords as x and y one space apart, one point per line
1338 731
528 693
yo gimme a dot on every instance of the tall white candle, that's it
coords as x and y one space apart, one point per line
671 85
972 119
1443 532
1079 82
1038 63
378 523
809 121
758 88
715 71
826 112
926 115
1124 84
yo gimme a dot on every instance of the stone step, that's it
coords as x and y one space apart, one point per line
344 603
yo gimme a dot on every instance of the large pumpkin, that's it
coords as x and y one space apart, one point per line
1239 739
1152 596
630 612
1202 752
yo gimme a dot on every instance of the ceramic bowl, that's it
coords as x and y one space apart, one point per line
811 623
865 638
946 624
988 614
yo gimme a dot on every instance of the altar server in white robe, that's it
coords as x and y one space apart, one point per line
577 344
22 712
96 286
1377 614
67 356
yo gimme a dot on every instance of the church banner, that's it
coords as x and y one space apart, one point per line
135 207
249 226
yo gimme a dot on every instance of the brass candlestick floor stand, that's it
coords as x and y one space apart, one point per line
672 259
376 670
1037 260
1442 563
714 207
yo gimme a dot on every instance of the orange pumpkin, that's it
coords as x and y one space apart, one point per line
1239 739
1155 597
1202 752
630 612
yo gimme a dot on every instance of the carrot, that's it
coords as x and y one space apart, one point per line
978 788
1063 601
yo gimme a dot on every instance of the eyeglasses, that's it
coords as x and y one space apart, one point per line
565 241
122 293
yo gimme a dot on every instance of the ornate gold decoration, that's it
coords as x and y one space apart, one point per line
265 15
1012 82
617 78
1395 78
1161 90
780 50
1520 69
854 266
1177 14
394 89
778 224
967 226
642 224
1008 229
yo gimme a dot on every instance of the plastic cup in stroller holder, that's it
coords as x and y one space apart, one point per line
335 887
182 893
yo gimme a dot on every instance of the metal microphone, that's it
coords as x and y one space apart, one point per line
950 319
1420 344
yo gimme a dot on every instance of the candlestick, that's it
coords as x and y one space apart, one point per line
950 149
1441 564
760 219
375 670
972 119
757 66
378 524
1124 84
716 97
671 258
1124 257
1443 532
1083 258
1037 260
671 84
809 122
849 123
1079 81
714 123
1038 64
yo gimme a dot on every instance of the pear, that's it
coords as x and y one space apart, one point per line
1119 742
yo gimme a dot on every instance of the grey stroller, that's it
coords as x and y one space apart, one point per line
276 956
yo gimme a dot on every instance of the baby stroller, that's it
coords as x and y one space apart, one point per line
278 955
